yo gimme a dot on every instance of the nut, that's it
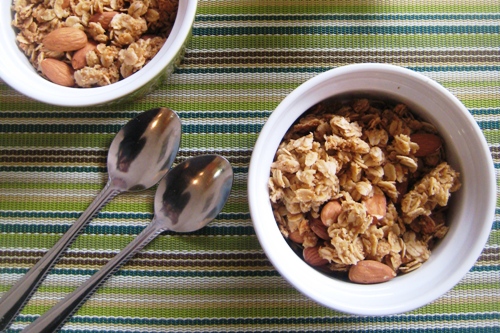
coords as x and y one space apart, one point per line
370 271
319 228
296 237
376 205
65 39
311 256
58 72
79 59
428 143
103 18
330 212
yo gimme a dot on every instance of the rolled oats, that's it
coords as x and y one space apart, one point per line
128 33
350 169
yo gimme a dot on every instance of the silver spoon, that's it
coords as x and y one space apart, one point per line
190 196
139 156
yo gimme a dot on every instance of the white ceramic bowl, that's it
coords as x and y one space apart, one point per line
18 73
471 208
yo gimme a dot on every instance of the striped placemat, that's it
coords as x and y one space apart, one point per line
244 58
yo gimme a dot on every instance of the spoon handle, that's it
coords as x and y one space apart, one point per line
13 301
54 319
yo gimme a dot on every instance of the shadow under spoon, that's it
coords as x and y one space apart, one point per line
187 198
139 156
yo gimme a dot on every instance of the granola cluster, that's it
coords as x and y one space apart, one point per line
362 180
126 34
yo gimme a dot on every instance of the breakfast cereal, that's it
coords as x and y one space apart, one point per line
119 37
359 181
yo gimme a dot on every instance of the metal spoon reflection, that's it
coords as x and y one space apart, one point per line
190 196
139 156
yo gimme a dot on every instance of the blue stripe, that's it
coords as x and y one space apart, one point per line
78 169
489 124
276 321
484 112
485 269
346 30
120 230
129 115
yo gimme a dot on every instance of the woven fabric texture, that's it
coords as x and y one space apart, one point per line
243 59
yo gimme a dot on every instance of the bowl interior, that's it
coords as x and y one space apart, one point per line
16 70
471 208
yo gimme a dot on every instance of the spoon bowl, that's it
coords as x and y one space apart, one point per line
201 184
187 198
144 149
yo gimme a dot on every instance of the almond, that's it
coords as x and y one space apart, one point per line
319 228
428 143
296 237
103 18
376 205
65 39
330 212
58 72
79 59
311 256
370 271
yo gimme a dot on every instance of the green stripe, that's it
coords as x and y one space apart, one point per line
120 204
94 140
97 129
185 242
310 309
119 230
361 41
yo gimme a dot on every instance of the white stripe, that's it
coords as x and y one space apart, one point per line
290 51
346 23
297 78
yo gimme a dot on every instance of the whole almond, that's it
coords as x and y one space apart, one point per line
376 205
330 212
58 72
311 256
103 18
428 143
319 228
370 271
79 59
65 39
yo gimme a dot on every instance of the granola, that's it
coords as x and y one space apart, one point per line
349 180
128 34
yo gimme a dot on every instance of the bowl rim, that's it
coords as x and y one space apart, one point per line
291 267
40 89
